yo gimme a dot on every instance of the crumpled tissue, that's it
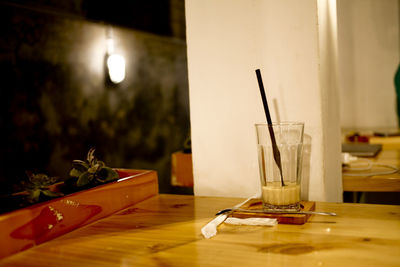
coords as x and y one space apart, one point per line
210 229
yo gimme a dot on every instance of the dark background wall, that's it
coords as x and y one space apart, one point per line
57 101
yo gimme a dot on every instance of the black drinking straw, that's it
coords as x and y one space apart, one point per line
275 149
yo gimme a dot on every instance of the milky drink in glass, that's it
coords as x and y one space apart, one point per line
280 188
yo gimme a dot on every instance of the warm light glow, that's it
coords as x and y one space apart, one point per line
116 68
110 45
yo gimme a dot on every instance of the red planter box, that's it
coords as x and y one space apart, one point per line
33 225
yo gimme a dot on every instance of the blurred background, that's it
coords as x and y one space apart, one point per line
60 97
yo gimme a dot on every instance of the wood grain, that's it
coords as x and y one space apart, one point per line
391 142
165 231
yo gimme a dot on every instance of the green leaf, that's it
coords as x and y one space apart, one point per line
101 164
106 174
80 165
34 195
93 169
84 179
40 179
75 172
52 194
90 157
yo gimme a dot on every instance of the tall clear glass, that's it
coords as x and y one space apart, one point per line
280 188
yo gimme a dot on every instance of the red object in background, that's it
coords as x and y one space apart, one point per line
33 225
182 169
356 138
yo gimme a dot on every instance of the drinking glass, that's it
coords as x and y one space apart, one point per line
280 184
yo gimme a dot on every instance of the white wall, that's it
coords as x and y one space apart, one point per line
227 40
368 32
224 99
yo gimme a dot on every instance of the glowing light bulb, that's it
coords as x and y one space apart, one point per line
116 68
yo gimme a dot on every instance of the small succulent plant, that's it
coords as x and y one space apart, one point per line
91 171
39 185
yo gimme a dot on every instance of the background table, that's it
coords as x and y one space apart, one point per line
165 231
377 183
390 155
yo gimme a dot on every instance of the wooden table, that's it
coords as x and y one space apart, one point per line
378 183
390 154
165 231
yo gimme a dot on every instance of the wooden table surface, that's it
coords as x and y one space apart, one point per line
377 183
165 231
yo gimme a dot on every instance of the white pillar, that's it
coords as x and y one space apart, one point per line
227 40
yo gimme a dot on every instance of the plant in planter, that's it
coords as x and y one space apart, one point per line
91 172
38 187
35 224
41 187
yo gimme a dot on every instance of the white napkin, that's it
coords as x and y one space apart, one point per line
252 221
210 229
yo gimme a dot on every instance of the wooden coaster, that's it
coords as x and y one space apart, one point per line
282 218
